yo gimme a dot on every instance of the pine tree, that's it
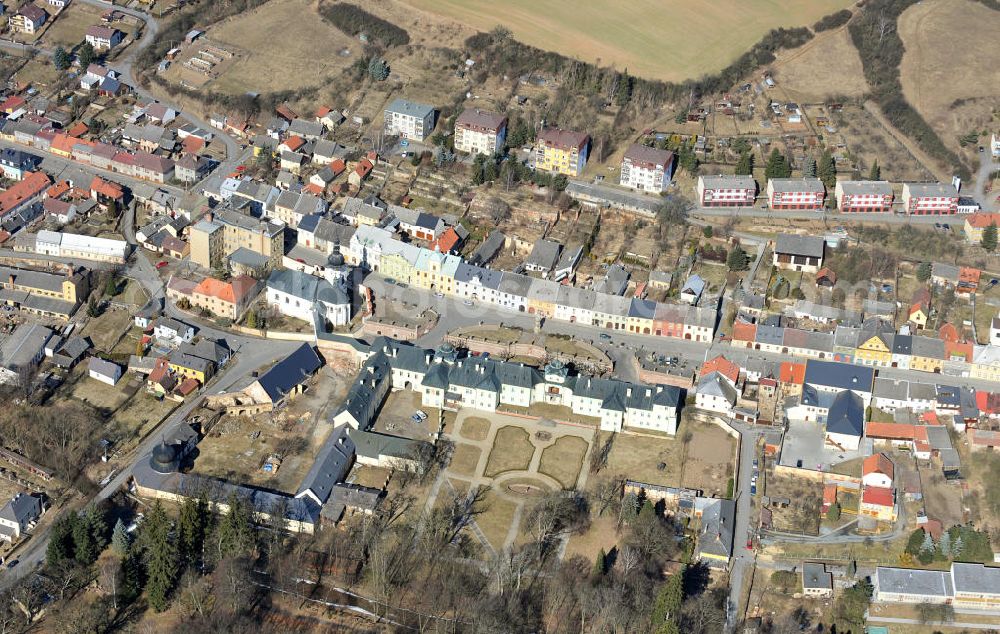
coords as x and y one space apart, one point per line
120 540
827 170
876 172
236 531
745 166
162 565
809 169
957 547
85 55
834 513
60 545
945 545
774 165
737 259
926 554
85 549
97 523
61 58
600 564
667 606
192 524
378 69
624 93
924 271
989 241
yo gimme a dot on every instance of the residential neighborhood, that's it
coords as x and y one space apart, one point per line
406 317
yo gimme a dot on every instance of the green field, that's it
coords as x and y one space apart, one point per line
661 39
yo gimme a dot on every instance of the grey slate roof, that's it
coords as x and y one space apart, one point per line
847 415
714 385
718 521
410 108
797 185
842 376
815 576
792 244
332 463
975 578
544 254
935 583
22 508
290 371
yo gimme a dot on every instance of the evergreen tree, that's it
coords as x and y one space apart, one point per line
648 511
924 271
737 259
957 547
130 586
827 170
477 169
945 544
560 182
624 93
915 541
378 69
876 172
121 542
989 241
85 549
61 58
834 513
667 606
745 166
162 565
97 523
775 165
192 525
707 231
236 530
926 554
600 564
60 545
809 169
85 55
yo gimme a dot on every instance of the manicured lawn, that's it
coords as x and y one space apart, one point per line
464 460
563 460
512 451
474 428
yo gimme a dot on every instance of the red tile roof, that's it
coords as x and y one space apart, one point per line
723 366
948 332
447 241
743 331
78 130
337 166
12 103
294 142
794 373
101 187
192 144
32 185
878 463
231 292
563 139
878 496
363 168
58 189
983 220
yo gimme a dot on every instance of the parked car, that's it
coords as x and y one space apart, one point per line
605 336
468 302
161 264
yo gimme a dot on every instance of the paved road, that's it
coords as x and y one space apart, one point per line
988 201
61 168
743 560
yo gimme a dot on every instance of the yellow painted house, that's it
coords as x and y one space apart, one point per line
927 354
191 367
396 266
918 315
562 151
875 350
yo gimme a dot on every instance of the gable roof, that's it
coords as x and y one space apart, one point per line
877 463
793 244
290 372
847 415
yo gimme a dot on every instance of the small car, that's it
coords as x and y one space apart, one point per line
161 264
11 564
439 295
605 336
468 302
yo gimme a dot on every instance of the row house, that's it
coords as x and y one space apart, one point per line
377 249
921 199
290 207
726 191
863 196
795 193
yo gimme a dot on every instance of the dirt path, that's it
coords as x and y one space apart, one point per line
922 157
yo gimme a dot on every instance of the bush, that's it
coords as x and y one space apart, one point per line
785 580
354 21
832 21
